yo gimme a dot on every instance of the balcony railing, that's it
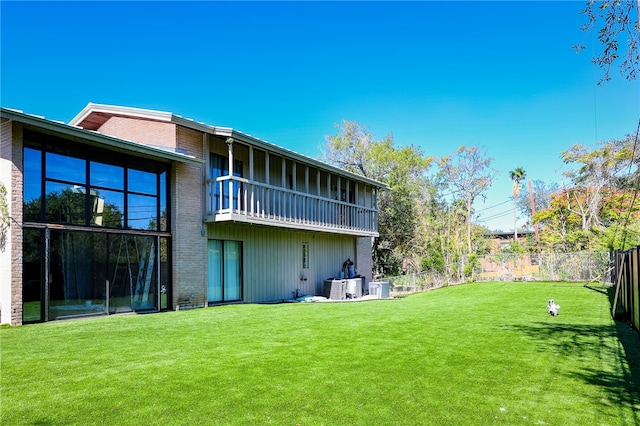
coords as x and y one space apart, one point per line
235 198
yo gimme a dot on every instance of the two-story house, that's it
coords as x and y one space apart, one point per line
132 210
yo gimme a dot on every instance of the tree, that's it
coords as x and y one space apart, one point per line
598 207
350 148
542 192
5 219
618 26
403 169
468 174
517 175
607 166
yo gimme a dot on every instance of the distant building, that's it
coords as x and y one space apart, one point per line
503 263
132 210
500 241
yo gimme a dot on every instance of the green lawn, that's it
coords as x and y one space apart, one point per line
466 355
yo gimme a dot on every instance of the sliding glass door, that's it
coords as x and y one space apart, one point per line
225 271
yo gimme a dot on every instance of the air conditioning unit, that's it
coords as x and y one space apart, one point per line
334 289
354 287
379 289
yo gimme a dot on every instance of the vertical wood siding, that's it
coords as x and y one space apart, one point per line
272 259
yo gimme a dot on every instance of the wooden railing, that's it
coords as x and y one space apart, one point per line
230 195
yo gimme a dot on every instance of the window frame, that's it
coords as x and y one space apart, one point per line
158 191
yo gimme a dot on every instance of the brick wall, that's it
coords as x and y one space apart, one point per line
11 254
189 245
145 132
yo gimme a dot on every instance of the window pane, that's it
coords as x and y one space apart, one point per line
232 270
142 212
143 182
32 275
214 287
164 225
132 272
65 203
164 273
66 168
107 208
32 184
77 268
107 176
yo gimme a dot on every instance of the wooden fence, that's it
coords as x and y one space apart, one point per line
627 280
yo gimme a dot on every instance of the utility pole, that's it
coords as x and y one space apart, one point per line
533 211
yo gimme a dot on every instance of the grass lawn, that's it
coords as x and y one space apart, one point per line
473 354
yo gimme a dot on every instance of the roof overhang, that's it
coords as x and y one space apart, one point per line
267 146
94 115
96 139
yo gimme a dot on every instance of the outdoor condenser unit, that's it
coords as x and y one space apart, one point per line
379 289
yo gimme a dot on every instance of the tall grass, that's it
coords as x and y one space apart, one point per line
472 354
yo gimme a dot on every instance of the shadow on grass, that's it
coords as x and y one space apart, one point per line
581 342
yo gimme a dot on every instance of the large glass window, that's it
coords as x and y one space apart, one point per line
85 186
70 271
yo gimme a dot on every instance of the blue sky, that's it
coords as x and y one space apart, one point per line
498 75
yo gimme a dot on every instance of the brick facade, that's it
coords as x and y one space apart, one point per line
189 251
189 238
11 166
147 132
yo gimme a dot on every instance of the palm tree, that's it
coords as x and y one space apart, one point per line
516 176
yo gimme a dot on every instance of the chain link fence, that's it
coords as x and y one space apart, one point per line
583 266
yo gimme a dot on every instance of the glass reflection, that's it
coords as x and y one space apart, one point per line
32 184
107 208
107 176
77 283
142 182
31 275
164 273
142 212
163 201
65 168
132 273
65 203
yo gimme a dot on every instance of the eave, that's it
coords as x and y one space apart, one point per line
93 116
96 139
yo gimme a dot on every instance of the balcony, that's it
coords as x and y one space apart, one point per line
237 199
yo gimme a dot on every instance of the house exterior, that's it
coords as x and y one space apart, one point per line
500 262
132 210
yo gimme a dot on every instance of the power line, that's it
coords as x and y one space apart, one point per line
635 189
496 205
496 216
